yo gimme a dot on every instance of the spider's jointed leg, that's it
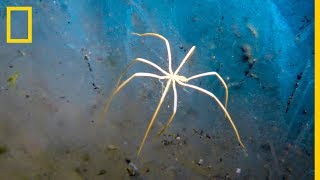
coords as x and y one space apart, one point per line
167 45
189 54
155 114
106 107
219 103
143 61
107 104
220 79
175 105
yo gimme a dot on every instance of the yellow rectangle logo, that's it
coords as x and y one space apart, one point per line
19 8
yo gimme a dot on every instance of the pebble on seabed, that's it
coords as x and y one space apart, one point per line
132 168
200 162
238 170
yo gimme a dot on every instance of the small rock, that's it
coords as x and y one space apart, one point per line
227 176
86 157
247 53
3 149
128 161
112 147
299 76
265 147
200 162
102 172
304 112
78 170
238 170
147 170
132 169
166 142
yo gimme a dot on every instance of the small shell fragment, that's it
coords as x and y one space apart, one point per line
200 162
238 170
112 147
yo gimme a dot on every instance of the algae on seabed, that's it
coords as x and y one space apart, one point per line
13 79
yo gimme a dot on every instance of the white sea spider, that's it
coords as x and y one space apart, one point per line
173 78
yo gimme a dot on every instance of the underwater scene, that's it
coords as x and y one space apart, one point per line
156 89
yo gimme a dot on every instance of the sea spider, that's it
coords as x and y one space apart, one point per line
172 78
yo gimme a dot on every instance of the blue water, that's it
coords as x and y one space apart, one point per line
49 127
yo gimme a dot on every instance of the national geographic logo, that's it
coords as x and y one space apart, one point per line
27 9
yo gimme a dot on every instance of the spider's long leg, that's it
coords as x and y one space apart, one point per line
219 103
106 107
155 115
219 77
143 61
189 54
167 44
175 105
107 104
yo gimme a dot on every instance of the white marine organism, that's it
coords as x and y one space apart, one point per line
173 79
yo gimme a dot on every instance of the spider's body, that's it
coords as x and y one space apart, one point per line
173 78
181 78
